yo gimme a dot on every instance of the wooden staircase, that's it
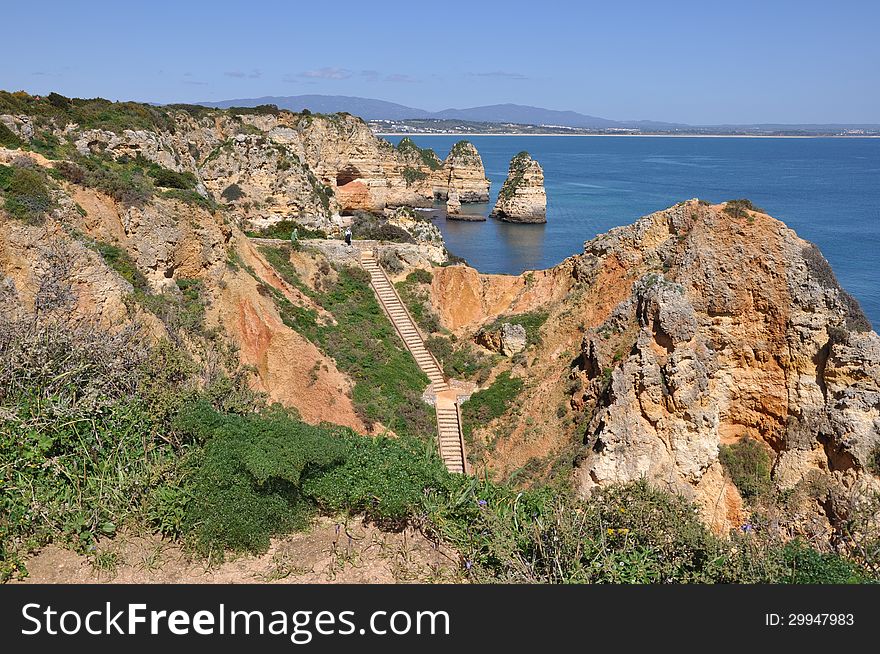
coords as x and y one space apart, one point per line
449 436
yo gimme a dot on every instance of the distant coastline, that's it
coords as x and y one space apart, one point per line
675 136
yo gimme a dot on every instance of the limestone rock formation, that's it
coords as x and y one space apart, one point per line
743 332
266 165
522 198
453 204
508 339
462 174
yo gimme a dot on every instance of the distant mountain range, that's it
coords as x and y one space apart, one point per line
371 109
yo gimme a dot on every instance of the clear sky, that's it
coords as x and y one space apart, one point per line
738 61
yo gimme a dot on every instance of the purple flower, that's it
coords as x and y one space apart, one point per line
468 564
746 527
482 503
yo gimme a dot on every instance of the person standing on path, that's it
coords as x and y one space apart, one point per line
348 236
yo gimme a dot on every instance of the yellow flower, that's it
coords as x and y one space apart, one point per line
610 532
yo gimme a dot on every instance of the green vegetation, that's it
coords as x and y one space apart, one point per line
182 312
740 208
490 403
426 156
8 138
132 181
748 465
100 431
259 110
95 113
874 460
169 178
368 226
531 322
388 383
462 149
120 261
412 175
232 193
515 174
26 193
415 296
284 229
460 360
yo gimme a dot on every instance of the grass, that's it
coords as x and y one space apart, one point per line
388 383
460 360
490 403
120 261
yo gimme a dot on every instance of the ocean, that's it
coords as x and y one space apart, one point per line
826 189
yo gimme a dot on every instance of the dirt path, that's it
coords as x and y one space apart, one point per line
332 552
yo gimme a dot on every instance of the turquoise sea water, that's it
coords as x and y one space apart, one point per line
826 189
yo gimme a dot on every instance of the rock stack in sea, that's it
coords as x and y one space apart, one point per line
462 173
453 204
522 198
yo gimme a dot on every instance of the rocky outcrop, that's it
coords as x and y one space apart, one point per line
453 204
265 165
463 175
740 332
522 198
508 339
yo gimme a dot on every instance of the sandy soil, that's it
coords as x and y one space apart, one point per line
332 552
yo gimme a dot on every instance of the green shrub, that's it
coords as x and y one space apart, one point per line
412 175
420 276
95 113
247 483
382 478
415 296
123 180
425 156
804 565
232 193
171 179
47 144
120 261
490 403
531 322
8 138
284 229
191 197
461 362
748 465
27 195
364 344
874 460
367 226
740 208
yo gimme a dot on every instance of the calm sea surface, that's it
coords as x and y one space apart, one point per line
826 189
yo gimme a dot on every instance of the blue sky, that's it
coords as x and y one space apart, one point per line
697 62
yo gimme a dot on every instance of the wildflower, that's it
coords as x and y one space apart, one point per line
610 532
482 503
468 565
746 527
